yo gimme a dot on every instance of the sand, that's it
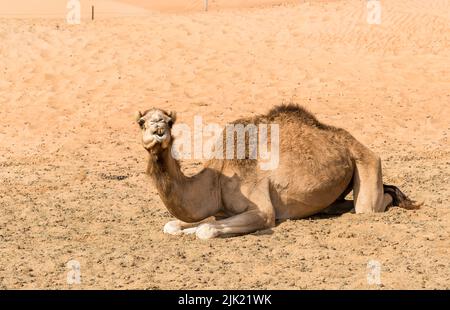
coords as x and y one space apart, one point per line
72 170
120 8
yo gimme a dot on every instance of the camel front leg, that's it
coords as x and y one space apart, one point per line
259 215
247 222
177 227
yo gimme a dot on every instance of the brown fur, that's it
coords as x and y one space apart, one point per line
318 164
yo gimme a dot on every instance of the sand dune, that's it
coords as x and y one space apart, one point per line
57 8
199 5
72 181
110 8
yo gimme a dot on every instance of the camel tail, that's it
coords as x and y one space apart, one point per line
400 199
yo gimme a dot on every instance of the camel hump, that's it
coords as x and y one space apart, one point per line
294 110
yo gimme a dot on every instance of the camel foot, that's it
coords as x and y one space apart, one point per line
173 228
206 231
189 231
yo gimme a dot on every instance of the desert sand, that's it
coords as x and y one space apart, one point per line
72 170
120 8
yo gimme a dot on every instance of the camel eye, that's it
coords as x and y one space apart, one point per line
141 123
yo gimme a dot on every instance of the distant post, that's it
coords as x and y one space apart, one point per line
92 12
206 5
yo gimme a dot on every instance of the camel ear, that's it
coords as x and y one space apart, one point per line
173 118
138 115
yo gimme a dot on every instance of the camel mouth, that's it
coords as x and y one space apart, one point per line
160 132
160 136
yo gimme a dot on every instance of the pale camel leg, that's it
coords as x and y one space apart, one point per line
247 222
260 216
368 190
177 227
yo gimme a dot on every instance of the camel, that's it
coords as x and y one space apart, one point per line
318 166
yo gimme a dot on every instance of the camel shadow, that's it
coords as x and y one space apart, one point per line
333 211
264 232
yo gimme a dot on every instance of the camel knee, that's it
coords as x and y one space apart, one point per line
268 220
262 218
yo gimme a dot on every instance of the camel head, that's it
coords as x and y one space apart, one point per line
156 128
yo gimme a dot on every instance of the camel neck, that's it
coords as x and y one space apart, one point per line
180 193
165 166
171 184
